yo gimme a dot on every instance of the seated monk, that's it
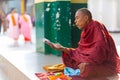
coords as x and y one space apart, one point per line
96 54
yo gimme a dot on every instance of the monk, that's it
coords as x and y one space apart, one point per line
25 26
96 54
13 29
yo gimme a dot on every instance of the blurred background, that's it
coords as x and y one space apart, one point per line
54 20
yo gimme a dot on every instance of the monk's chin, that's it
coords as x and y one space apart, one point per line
79 27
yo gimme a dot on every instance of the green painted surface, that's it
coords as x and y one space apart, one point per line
39 12
47 25
75 32
61 28
53 23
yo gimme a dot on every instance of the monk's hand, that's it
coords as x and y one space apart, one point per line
52 45
82 66
57 46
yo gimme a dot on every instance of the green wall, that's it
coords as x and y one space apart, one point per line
75 32
53 23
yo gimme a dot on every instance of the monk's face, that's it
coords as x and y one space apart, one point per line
80 20
13 11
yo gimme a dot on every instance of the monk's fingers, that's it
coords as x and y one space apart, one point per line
50 44
53 46
57 46
82 67
47 42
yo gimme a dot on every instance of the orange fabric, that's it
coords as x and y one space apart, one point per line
54 68
13 20
59 76
25 18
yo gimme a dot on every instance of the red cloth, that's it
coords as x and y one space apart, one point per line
43 76
52 76
97 48
27 39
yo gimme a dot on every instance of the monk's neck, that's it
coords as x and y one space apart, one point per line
87 22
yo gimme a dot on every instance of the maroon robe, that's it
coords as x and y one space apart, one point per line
96 47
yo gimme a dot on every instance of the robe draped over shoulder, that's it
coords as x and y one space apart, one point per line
96 47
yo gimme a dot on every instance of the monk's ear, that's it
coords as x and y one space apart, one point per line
86 18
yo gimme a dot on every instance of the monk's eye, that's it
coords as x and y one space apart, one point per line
76 18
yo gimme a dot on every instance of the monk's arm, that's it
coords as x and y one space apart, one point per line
58 46
66 50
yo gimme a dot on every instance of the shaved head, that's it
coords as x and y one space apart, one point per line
86 12
82 17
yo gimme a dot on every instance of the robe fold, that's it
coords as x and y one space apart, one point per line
96 47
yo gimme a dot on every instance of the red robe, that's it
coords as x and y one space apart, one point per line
97 48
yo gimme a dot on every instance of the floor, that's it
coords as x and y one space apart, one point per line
24 57
23 61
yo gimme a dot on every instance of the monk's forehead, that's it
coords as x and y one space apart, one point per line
78 13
